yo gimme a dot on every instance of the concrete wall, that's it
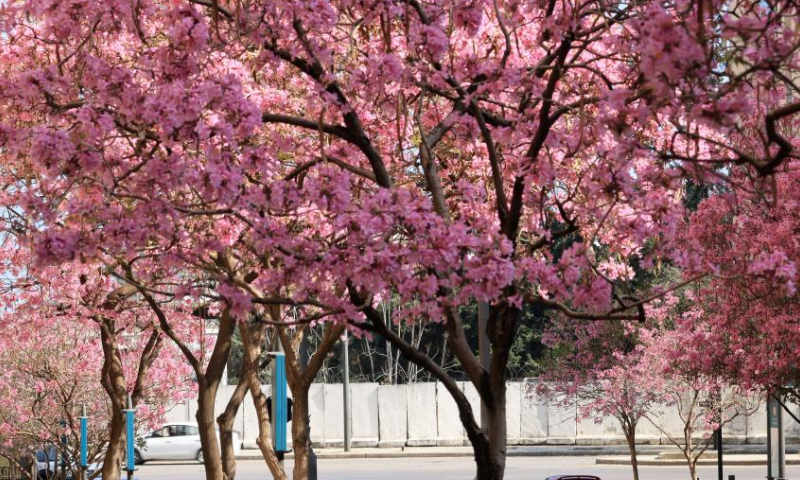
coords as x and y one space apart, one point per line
424 414
393 415
423 424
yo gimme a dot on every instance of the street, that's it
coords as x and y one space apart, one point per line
460 468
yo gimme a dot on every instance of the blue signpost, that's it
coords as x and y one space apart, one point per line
84 419
129 437
279 403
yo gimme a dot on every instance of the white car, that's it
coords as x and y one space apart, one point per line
176 441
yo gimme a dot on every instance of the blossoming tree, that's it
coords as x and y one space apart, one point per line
748 316
333 153
596 368
637 373
116 342
702 402
60 353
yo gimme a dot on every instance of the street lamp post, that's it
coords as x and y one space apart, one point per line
776 453
719 449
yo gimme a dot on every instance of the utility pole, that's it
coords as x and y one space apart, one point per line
346 389
716 404
483 354
719 449
776 452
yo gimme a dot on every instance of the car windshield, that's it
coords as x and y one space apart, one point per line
176 431
46 455
186 430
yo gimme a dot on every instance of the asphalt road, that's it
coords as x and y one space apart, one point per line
458 468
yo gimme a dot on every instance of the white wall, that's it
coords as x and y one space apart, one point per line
450 431
392 415
424 414
422 417
364 414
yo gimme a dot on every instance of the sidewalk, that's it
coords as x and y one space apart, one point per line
609 454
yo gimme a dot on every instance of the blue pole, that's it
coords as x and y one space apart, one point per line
84 433
279 400
84 424
129 437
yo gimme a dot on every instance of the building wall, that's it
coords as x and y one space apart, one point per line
424 414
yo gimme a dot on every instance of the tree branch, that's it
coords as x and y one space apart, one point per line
335 130
377 325
785 147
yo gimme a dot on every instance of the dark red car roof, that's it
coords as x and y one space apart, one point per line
573 477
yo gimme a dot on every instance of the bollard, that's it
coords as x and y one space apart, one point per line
312 457
312 465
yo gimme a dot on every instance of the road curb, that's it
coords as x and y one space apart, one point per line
655 462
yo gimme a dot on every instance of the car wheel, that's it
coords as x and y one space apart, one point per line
200 457
137 457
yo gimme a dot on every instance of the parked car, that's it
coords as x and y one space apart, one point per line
175 441
573 477
48 462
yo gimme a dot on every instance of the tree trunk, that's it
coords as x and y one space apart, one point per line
207 386
486 460
225 422
501 327
489 447
251 343
112 379
112 463
208 380
301 370
693 469
493 452
113 382
301 439
690 456
691 461
299 384
206 396
630 438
